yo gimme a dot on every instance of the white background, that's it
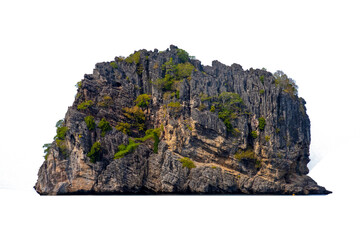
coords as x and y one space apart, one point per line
47 46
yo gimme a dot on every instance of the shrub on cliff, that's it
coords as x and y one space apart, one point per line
184 70
187 162
254 134
287 84
47 147
174 108
95 152
136 115
183 55
123 127
106 102
104 126
152 134
248 154
114 65
90 123
133 58
143 100
262 123
123 150
85 105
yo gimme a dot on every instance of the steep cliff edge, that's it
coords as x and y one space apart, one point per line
162 123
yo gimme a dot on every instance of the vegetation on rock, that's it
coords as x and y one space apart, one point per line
187 162
133 58
287 84
183 55
123 150
236 131
90 122
85 105
143 100
95 152
248 154
104 126
262 123
254 134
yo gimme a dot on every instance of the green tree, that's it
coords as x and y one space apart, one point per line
95 152
187 162
262 123
104 126
90 122
143 101
183 55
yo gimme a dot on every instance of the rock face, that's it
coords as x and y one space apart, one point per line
216 130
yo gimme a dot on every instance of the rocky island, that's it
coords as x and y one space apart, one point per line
159 122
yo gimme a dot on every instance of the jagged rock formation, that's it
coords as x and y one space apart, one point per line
216 130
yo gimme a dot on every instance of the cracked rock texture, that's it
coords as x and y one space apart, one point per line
279 153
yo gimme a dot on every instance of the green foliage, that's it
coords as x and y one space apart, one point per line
60 143
123 127
267 138
248 154
95 152
277 130
104 126
142 100
152 134
228 105
126 149
61 132
59 123
133 58
187 162
139 69
156 142
287 84
262 123
254 134
174 74
174 107
85 105
164 84
106 102
261 91
46 147
183 55
78 84
169 67
262 79
90 122
114 65
204 97
230 98
136 115
184 70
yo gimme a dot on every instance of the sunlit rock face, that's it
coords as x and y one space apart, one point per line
162 123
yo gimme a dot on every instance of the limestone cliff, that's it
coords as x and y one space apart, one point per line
162 123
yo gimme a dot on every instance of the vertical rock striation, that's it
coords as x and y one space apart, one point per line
198 130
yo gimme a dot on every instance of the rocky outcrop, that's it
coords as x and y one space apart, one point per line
162 123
